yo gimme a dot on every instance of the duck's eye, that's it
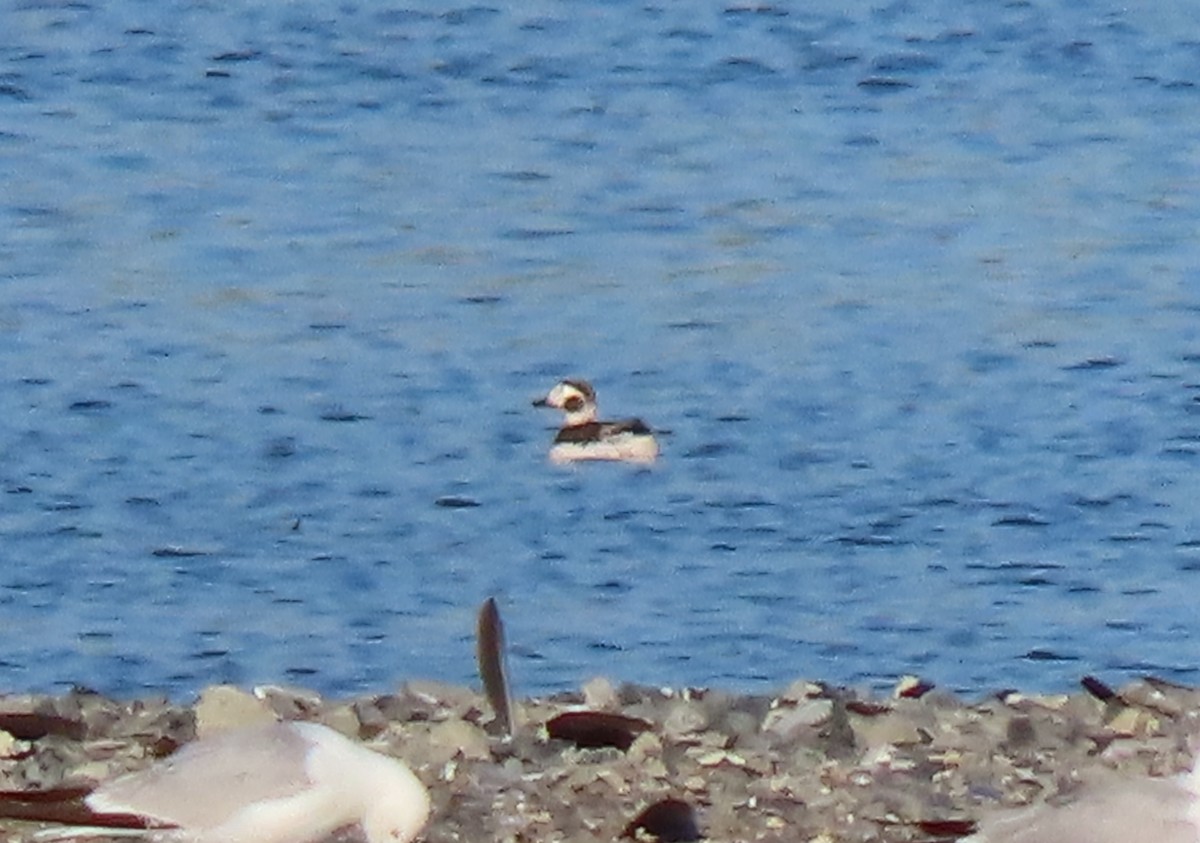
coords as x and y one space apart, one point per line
573 404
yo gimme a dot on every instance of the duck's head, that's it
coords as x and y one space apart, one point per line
576 398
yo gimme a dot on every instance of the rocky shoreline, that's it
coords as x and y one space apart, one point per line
810 763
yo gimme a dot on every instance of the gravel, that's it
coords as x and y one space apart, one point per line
810 763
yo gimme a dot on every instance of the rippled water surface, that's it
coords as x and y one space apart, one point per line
912 290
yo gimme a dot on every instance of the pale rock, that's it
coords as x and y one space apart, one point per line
683 719
887 730
453 698
10 746
224 707
1147 696
786 722
290 703
1052 702
1134 722
600 695
343 719
645 746
456 739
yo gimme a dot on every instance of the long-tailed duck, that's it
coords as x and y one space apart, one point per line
583 438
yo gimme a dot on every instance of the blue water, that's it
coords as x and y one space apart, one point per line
913 290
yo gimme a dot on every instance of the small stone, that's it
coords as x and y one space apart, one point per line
716 758
1146 695
645 746
443 696
1053 702
742 726
1020 733
949 758
599 694
289 703
224 707
1134 722
787 722
10 746
372 720
343 719
653 768
458 739
889 730
93 771
683 719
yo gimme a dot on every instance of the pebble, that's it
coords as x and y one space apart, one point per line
786 722
600 695
224 707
